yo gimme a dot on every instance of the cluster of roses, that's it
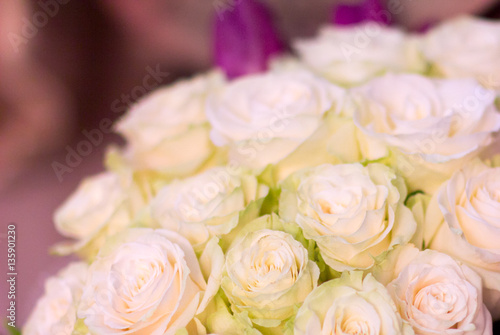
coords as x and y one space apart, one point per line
352 189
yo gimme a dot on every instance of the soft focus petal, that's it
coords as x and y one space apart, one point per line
366 10
245 38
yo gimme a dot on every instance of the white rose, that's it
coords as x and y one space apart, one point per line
465 47
435 293
354 213
286 63
55 311
167 131
350 305
264 118
465 215
205 205
352 55
267 274
148 282
432 126
98 208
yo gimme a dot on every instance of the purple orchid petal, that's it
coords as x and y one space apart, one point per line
366 10
347 14
425 27
245 38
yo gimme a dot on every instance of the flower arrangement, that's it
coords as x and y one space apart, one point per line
351 189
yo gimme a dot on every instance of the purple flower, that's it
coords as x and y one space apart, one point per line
366 10
245 38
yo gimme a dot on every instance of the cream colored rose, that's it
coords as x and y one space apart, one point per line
350 305
286 63
465 47
205 205
465 215
431 126
148 282
267 274
55 311
435 293
263 118
354 54
98 208
167 131
354 213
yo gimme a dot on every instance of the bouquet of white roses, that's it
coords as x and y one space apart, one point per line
351 189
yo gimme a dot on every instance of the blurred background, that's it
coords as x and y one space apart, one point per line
67 65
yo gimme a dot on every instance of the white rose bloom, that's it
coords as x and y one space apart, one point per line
435 293
354 213
350 305
263 118
97 209
463 48
205 205
167 131
352 55
432 126
55 311
286 63
148 282
465 215
267 274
